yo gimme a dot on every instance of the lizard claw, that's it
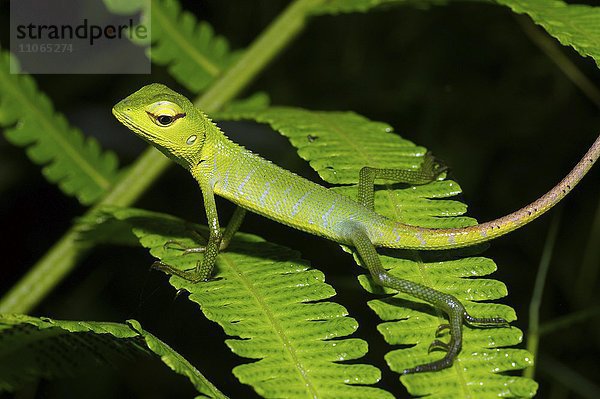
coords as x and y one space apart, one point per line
437 344
440 329
178 245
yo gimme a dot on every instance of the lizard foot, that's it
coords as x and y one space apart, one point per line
443 363
488 322
432 167
457 315
190 276
178 245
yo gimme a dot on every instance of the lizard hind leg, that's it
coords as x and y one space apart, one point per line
430 169
449 304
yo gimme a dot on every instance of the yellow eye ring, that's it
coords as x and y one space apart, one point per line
164 113
165 120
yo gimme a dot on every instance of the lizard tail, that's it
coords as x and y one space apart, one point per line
397 235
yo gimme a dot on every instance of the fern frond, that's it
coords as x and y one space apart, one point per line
75 162
191 51
274 303
32 348
340 144
575 25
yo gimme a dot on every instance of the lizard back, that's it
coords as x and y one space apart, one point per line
262 187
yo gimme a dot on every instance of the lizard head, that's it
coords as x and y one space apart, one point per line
167 120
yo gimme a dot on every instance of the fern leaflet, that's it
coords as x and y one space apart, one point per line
328 139
32 347
76 163
274 302
575 25
190 50
337 145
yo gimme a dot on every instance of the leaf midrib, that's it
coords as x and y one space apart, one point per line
340 132
180 39
101 181
279 331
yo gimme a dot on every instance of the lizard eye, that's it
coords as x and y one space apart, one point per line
165 120
164 113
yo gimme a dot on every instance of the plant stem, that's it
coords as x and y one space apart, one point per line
533 334
570 378
264 48
62 257
569 320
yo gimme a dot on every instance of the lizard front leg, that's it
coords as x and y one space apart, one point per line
232 227
204 268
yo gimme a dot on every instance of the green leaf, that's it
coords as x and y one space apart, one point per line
75 162
100 228
177 363
32 348
190 50
258 101
574 25
274 303
337 145
124 7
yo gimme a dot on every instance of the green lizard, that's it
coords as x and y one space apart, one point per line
171 123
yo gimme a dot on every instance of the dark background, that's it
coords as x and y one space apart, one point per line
464 80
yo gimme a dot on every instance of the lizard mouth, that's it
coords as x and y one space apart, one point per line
127 121
159 142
